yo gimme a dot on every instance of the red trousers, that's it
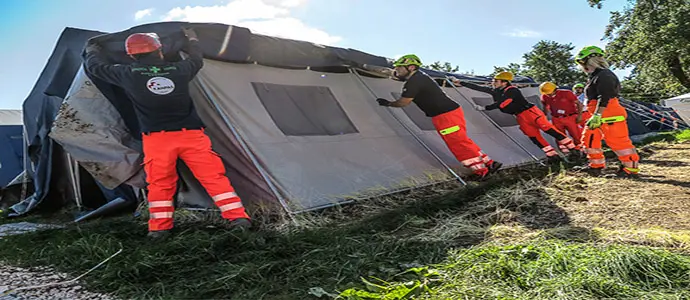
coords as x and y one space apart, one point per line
532 121
569 124
616 136
451 126
161 151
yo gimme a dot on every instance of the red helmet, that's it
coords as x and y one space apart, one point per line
139 43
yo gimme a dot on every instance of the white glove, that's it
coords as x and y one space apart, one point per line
479 107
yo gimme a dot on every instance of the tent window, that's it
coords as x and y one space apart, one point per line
304 110
416 115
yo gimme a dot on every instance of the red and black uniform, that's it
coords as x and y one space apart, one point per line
171 129
564 111
604 87
530 118
448 119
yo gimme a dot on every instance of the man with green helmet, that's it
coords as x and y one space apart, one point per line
579 90
608 121
446 115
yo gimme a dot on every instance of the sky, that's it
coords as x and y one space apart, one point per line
475 35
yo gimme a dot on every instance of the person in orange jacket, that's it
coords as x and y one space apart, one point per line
446 115
608 121
170 126
531 119
564 108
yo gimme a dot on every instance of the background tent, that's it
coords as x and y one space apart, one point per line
680 105
12 149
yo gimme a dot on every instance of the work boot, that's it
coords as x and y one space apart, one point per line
576 156
494 167
589 170
553 160
622 173
158 235
241 224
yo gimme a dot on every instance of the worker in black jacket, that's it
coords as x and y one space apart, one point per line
531 119
170 126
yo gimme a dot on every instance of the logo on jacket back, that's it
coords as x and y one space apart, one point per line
160 85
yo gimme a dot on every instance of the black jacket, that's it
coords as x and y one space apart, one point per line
159 90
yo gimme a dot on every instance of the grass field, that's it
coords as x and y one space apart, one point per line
525 234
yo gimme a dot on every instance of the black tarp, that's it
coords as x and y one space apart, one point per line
39 111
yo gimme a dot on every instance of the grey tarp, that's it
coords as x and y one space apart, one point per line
91 130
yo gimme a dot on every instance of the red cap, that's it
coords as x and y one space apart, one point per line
139 43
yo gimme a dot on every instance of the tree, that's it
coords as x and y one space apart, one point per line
514 68
551 61
653 37
445 67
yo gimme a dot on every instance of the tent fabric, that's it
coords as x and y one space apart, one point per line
39 111
680 105
12 151
9 117
274 149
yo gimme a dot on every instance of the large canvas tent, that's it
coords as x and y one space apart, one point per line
296 123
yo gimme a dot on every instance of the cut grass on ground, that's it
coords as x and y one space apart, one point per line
526 234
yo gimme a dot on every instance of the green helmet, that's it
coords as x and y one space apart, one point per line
588 51
579 85
407 60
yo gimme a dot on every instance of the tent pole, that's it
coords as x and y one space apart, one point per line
73 179
244 146
642 111
410 131
495 124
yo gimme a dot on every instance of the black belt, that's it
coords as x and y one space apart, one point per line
173 130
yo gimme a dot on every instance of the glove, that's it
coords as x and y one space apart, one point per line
479 107
93 48
594 122
383 102
190 34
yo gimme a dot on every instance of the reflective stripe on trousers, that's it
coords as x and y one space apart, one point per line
161 151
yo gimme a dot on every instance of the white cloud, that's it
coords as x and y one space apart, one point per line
523 33
269 17
142 13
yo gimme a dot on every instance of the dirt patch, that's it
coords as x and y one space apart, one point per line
660 198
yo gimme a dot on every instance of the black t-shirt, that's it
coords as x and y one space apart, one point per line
159 90
428 95
603 85
509 100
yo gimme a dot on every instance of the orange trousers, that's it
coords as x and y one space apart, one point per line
161 151
616 136
532 121
451 126
569 124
